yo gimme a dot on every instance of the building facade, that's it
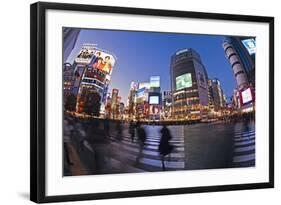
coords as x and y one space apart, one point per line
189 84
70 36
167 104
216 95
240 51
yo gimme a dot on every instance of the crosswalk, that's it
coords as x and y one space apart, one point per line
244 148
127 151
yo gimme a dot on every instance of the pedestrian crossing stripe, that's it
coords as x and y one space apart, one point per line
244 138
157 138
244 149
243 132
151 147
146 152
153 142
244 142
155 162
150 154
244 135
244 158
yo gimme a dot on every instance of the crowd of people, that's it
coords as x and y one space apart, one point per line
91 133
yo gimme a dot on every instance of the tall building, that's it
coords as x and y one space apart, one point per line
155 98
189 84
70 36
141 100
131 103
167 103
94 67
217 96
114 103
240 51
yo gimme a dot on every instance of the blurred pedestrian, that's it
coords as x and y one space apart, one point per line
119 130
165 148
141 140
132 130
106 128
67 135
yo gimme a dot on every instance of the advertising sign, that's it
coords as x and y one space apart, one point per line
103 61
86 54
140 93
183 81
168 93
155 81
145 85
154 100
250 45
247 96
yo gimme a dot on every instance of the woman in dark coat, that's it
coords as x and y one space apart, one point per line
164 146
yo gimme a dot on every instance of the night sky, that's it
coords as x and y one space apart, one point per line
143 54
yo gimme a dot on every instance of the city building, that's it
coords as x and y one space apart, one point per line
131 104
70 36
94 66
245 49
141 100
210 96
154 98
217 99
240 51
189 84
114 104
167 104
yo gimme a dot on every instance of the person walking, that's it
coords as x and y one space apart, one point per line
165 148
106 128
119 129
141 140
67 135
132 130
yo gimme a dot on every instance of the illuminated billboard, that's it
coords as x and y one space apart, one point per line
155 81
145 85
140 93
250 45
86 54
103 61
183 81
247 96
153 100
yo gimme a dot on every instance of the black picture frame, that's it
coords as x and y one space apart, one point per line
38 100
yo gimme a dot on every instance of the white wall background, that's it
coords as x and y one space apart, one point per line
14 89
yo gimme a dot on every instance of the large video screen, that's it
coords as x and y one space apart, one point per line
154 100
250 45
183 81
140 92
247 96
155 81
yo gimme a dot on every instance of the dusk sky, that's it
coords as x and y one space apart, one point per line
143 54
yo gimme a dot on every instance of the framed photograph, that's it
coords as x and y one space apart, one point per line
129 102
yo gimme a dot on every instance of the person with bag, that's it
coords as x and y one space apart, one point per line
165 148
